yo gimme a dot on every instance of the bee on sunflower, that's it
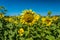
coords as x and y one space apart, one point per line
29 17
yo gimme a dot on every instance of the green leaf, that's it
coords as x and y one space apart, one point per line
5 33
58 30
38 35
53 27
26 33
38 29
10 37
21 38
43 34
10 26
29 39
47 31
49 37
0 25
58 38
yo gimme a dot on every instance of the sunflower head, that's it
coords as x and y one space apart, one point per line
15 22
6 19
29 17
43 19
28 12
21 31
1 15
46 21
11 19
54 18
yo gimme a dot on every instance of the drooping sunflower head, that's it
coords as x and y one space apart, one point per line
29 17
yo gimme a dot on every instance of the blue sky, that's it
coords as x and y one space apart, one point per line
42 7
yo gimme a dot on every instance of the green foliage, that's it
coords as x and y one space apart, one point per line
8 31
3 10
38 31
49 13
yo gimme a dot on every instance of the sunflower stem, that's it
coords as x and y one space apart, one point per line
28 31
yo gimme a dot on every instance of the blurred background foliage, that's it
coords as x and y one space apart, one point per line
12 29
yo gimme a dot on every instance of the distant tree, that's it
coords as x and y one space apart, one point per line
3 10
49 13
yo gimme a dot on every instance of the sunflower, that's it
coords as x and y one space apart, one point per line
43 19
9 19
18 17
29 17
1 15
15 22
6 19
21 31
47 21
54 18
28 12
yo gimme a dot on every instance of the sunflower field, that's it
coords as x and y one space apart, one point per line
29 26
